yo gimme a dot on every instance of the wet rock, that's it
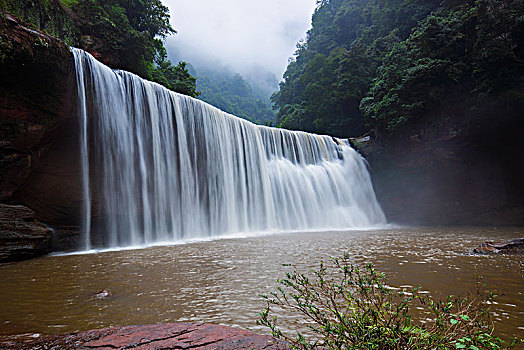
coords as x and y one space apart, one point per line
21 235
103 294
159 336
514 246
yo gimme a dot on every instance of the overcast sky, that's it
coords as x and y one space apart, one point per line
240 33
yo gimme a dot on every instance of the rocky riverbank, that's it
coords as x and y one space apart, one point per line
158 336
514 246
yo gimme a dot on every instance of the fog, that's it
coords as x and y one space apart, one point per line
250 37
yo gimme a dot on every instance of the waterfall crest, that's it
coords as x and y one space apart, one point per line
161 166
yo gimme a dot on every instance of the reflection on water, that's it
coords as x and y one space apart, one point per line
219 281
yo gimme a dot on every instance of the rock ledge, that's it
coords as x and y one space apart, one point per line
157 336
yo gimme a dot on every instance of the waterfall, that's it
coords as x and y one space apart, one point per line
160 166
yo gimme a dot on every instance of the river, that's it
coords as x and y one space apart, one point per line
219 281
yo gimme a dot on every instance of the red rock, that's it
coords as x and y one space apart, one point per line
38 144
157 336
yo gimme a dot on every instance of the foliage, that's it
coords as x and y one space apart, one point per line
335 66
380 64
231 93
450 53
45 15
345 307
125 34
107 27
131 33
69 3
176 78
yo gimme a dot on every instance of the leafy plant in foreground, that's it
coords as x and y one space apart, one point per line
345 307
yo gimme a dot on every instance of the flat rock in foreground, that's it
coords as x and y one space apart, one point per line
157 336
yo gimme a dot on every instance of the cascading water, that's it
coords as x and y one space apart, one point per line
170 167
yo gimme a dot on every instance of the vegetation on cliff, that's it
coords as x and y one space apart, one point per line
382 64
123 34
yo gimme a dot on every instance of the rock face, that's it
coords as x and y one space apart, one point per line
515 246
159 336
453 172
21 235
38 131
32 80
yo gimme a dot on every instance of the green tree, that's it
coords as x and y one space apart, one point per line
125 34
335 66
386 65
466 57
176 78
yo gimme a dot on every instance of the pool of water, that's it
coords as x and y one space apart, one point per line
220 281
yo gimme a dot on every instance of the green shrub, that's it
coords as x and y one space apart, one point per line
69 3
345 307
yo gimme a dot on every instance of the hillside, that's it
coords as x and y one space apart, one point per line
384 65
232 93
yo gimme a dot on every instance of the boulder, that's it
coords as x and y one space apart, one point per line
192 335
21 235
103 294
514 246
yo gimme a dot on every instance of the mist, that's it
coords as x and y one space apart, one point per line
253 38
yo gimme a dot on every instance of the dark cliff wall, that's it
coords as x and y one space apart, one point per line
38 131
32 85
452 171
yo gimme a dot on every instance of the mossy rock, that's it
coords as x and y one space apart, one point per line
52 17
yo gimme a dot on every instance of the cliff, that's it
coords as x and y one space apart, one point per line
451 171
38 144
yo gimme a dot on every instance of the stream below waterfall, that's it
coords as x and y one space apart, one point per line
219 281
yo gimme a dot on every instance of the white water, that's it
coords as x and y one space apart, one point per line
159 167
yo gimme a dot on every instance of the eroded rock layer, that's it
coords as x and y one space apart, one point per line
21 235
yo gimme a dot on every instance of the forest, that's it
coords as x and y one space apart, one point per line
382 65
233 94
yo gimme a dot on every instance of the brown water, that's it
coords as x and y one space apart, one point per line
219 281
